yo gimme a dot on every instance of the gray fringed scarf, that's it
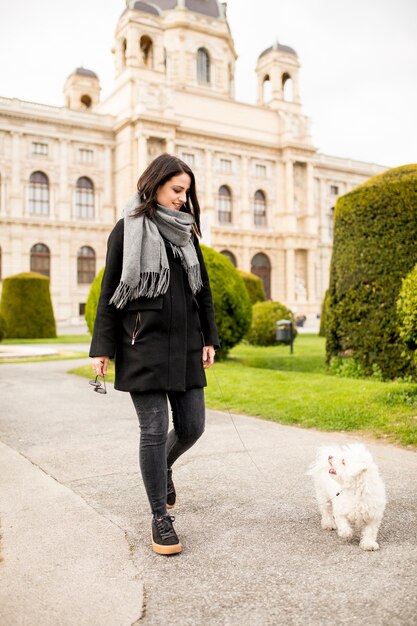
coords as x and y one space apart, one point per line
145 270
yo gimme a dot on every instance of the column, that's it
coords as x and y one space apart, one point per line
142 153
18 200
245 220
208 209
290 276
311 276
289 187
310 189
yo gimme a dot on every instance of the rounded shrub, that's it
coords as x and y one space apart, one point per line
232 306
407 311
254 286
3 328
374 248
92 301
27 307
265 316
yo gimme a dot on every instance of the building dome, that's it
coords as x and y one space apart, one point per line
280 48
82 71
211 8
146 8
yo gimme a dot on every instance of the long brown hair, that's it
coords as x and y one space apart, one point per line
158 172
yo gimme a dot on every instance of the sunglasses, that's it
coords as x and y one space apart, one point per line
97 384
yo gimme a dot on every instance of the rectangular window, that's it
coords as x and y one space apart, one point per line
188 158
225 165
40 148
334 190
81 309
86 156
260 171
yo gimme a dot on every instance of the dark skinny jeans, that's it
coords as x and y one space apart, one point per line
158 449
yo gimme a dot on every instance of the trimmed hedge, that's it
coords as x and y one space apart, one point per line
3 328
92 301
232 307
407 311
254 286
265 315
374 248
27 307
323 314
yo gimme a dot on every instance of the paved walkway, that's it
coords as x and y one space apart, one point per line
76 526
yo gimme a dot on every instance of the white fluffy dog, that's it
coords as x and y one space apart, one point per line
349 492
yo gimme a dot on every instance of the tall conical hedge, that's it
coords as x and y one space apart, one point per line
27 307
375 246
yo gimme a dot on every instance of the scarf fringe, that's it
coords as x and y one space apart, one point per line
194 278
151 285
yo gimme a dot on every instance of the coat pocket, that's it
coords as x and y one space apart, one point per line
137 307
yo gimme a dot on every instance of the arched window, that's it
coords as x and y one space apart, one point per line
229 255
84 199
261 267
38 194
123 49
203 66
225 205
287 87
266 89
259 209
86 101
86 265
40 259
146 49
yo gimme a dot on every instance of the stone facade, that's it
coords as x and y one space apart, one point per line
267 195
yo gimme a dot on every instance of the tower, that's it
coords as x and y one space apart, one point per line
277 70
82 90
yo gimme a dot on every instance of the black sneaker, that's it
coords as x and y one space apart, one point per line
171 494
164 537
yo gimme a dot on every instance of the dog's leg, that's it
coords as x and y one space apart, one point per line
369 534
326 510
344 529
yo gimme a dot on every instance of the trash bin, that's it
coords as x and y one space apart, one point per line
284 331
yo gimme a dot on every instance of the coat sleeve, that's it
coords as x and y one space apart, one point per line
205 303
104 338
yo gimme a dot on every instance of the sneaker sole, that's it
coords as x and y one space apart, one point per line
175 549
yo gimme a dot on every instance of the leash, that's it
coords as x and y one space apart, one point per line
258 469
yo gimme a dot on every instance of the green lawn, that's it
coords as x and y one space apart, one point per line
296 389
60 339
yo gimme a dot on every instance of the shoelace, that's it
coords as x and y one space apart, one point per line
164 526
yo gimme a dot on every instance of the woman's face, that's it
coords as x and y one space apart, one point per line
173 194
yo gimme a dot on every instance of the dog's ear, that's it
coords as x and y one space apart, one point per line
357 468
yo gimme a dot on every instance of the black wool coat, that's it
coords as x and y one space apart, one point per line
156 342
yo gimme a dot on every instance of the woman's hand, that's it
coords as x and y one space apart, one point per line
208 356
100 365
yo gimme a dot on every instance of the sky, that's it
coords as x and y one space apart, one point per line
358 79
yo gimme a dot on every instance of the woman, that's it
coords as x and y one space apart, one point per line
155 317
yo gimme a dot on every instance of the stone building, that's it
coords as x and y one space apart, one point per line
267 194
